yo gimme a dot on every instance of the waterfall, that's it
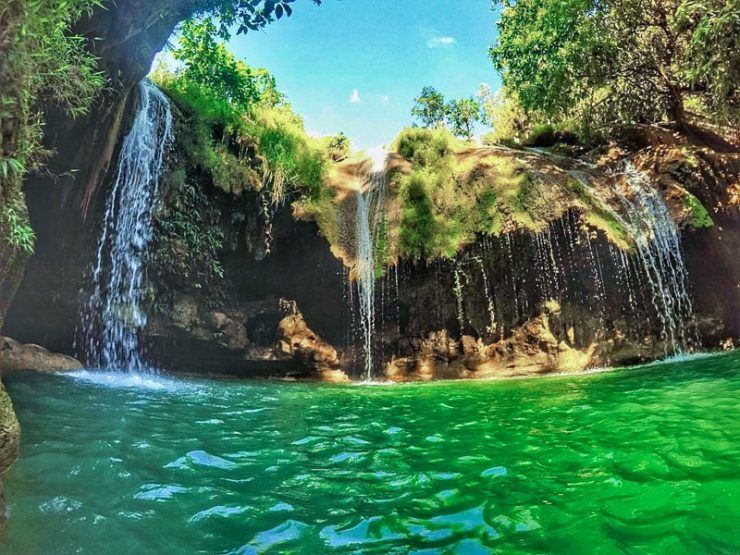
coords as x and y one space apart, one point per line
459 299
370 204
658 244
113 315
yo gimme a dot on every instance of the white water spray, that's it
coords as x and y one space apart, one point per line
114 316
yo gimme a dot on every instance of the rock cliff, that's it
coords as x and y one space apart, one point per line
552 285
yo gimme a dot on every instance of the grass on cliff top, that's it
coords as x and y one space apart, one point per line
262 147
455 191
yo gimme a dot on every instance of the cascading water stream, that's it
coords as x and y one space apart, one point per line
658 254
113 315
658 245
370 204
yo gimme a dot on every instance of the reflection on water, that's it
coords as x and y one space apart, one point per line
640 461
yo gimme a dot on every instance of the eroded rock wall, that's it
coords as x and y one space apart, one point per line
65 199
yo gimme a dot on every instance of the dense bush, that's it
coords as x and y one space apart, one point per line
242 128
42 65
620 61
418 225
424 147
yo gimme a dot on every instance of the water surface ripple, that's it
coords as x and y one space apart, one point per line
638 461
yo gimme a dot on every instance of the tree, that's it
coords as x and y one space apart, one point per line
209 65
621 60
505 115
338 147
463 114
430 108
249 15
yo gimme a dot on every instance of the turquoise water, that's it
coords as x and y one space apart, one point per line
646 460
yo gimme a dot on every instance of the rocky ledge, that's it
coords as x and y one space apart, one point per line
19 356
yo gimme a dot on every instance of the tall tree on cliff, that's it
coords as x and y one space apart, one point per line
463 114
622 60
430 108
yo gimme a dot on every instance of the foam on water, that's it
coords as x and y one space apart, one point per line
129 380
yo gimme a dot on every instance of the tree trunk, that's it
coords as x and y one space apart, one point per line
676 109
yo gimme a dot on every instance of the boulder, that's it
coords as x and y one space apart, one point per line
296 340
19 356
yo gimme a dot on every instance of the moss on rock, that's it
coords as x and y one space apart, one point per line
698 215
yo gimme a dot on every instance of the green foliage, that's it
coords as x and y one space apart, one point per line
451 194
505 114
712 53
463 114
418 224
698 215
211 67
242 130
623 60
542 52
20 234
238 130
433 112
338 147
439 210
42 64
430 108
189 238
424 147
292 161
249 15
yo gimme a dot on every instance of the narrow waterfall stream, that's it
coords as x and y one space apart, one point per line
658 257
370 203
658 245
113 315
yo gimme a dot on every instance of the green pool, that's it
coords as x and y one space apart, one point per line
645 460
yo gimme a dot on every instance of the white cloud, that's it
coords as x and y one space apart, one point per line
441 42
385 99
354 98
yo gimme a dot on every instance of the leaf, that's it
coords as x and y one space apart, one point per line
279 11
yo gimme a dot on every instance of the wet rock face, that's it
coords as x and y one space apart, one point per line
268 338
531 349
65 201
297 341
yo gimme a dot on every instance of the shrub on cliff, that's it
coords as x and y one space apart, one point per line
41 64
442 206
243 130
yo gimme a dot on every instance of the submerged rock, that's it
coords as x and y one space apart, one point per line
20 356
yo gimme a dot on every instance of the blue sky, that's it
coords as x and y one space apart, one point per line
356 65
